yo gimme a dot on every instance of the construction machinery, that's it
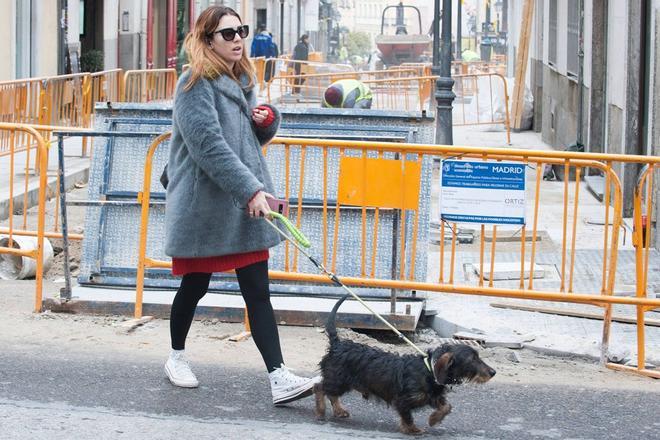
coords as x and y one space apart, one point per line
401 47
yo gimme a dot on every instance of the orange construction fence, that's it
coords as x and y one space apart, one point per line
482 99
309 88
42 153
149 85
394 184
68 100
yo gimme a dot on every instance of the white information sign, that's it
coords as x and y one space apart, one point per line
482 192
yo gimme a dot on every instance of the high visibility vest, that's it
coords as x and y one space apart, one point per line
350 89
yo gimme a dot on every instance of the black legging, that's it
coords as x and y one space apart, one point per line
253 281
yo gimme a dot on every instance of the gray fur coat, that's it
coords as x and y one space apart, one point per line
215 167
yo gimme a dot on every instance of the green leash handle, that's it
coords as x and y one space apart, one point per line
295 232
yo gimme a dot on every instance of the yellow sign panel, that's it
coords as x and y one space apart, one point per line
378 183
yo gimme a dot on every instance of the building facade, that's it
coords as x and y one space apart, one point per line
30 33
129 34
615 82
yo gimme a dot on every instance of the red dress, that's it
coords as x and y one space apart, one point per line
222 263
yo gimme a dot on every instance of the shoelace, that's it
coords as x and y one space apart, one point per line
182 367
286 374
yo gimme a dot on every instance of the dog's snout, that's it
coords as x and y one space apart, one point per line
491 372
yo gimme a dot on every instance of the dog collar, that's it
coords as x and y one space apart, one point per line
428 365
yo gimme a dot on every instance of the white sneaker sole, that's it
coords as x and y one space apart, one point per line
179 383
296 394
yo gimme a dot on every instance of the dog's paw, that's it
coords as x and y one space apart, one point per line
411 430
439 414
341 413
320 413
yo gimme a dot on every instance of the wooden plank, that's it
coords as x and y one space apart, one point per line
242 336
521 64
132 324
573 313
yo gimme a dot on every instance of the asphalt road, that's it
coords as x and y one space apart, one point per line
47 393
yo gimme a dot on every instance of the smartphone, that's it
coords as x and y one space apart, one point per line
281 206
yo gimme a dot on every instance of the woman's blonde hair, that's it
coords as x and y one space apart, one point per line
204 62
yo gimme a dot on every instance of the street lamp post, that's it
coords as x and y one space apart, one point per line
281 25
444 96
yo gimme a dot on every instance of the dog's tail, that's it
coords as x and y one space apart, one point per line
330 325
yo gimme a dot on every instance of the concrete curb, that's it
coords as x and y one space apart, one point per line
81 174
446 329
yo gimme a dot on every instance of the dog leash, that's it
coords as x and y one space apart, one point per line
298 239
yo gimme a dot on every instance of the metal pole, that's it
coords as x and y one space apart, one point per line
487 27
395 252
65 292
436 33
580 73
282 25
299 18
459 31
444 96
61 67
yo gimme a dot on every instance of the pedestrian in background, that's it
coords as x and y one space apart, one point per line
300 53
217 191
262 44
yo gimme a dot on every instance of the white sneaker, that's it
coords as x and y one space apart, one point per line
178 371
287 387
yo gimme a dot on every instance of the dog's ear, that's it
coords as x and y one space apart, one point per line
441 366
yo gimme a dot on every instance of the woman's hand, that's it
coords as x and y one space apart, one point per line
258 206
259 116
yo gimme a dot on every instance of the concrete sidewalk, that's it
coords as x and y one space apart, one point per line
76 170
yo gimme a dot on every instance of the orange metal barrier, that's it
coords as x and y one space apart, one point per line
482 99
424 69
401 89
309 67
41 148
67 100
61 100
642 229
309 88
26 158
106 86
401 164
411 93
497 65
21 101
149 85
259 64
316 57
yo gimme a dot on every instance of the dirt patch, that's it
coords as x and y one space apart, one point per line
56 271
75 221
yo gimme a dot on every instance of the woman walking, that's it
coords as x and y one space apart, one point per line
217 191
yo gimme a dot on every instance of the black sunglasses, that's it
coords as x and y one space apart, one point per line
228 34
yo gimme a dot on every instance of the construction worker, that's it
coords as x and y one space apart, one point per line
347 93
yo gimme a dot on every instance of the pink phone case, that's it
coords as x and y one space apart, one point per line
280 206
